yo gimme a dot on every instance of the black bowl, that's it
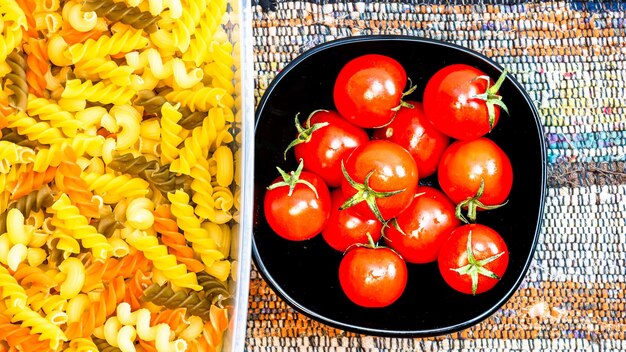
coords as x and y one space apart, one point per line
305 274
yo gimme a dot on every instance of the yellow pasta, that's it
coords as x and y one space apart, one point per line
113 188
74 271
166 263
170 132
68 220
125 41
79 20
47 110
11 153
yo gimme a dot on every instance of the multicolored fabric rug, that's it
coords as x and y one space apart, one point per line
571 57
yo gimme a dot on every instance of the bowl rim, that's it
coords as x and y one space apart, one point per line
395 332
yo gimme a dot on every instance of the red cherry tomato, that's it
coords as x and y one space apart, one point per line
381 178
466 166
424 226
347 227
462 101
372 277
297 205
368 89
411 130
325 140
473 259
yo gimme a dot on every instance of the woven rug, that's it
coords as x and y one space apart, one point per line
571 57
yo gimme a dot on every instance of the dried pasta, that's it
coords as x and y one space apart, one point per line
117 181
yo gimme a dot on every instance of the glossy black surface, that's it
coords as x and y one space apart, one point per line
304 274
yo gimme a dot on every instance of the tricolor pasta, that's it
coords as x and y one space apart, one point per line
117 180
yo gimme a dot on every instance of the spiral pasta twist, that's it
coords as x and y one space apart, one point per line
20 338
202 99
175 67
107 45
30 181
176 273
208 23
135 287
17 76
82 144
219 69
33 129
10 135
48 110
99 310
197 146
10 288
38 65
170 130
113 188
174 240
214 289
82 344
38 325
164 295
202 243
99 92
112 268
102 68
107 224
68 179
119 12
152 104
68 219
34 277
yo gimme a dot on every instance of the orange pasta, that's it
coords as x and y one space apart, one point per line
38 65
72 36
174 240
146 346
212 334
31 181
112 268
99 310
20 338
172 317
136 285
69 181
33 277
28 6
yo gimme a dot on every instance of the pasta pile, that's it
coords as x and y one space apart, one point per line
118 188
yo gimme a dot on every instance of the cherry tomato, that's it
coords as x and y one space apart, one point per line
475 174
473 259
380 179
297 205
325 140
462 101
347 227
372 277
411 129
420 230
368 90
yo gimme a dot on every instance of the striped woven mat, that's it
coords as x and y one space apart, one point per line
571 57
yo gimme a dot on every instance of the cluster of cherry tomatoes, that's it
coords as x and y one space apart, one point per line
357 182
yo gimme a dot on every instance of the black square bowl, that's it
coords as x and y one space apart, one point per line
305 274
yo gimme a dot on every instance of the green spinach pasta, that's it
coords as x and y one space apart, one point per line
117 178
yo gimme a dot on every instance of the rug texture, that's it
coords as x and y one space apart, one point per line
571 58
